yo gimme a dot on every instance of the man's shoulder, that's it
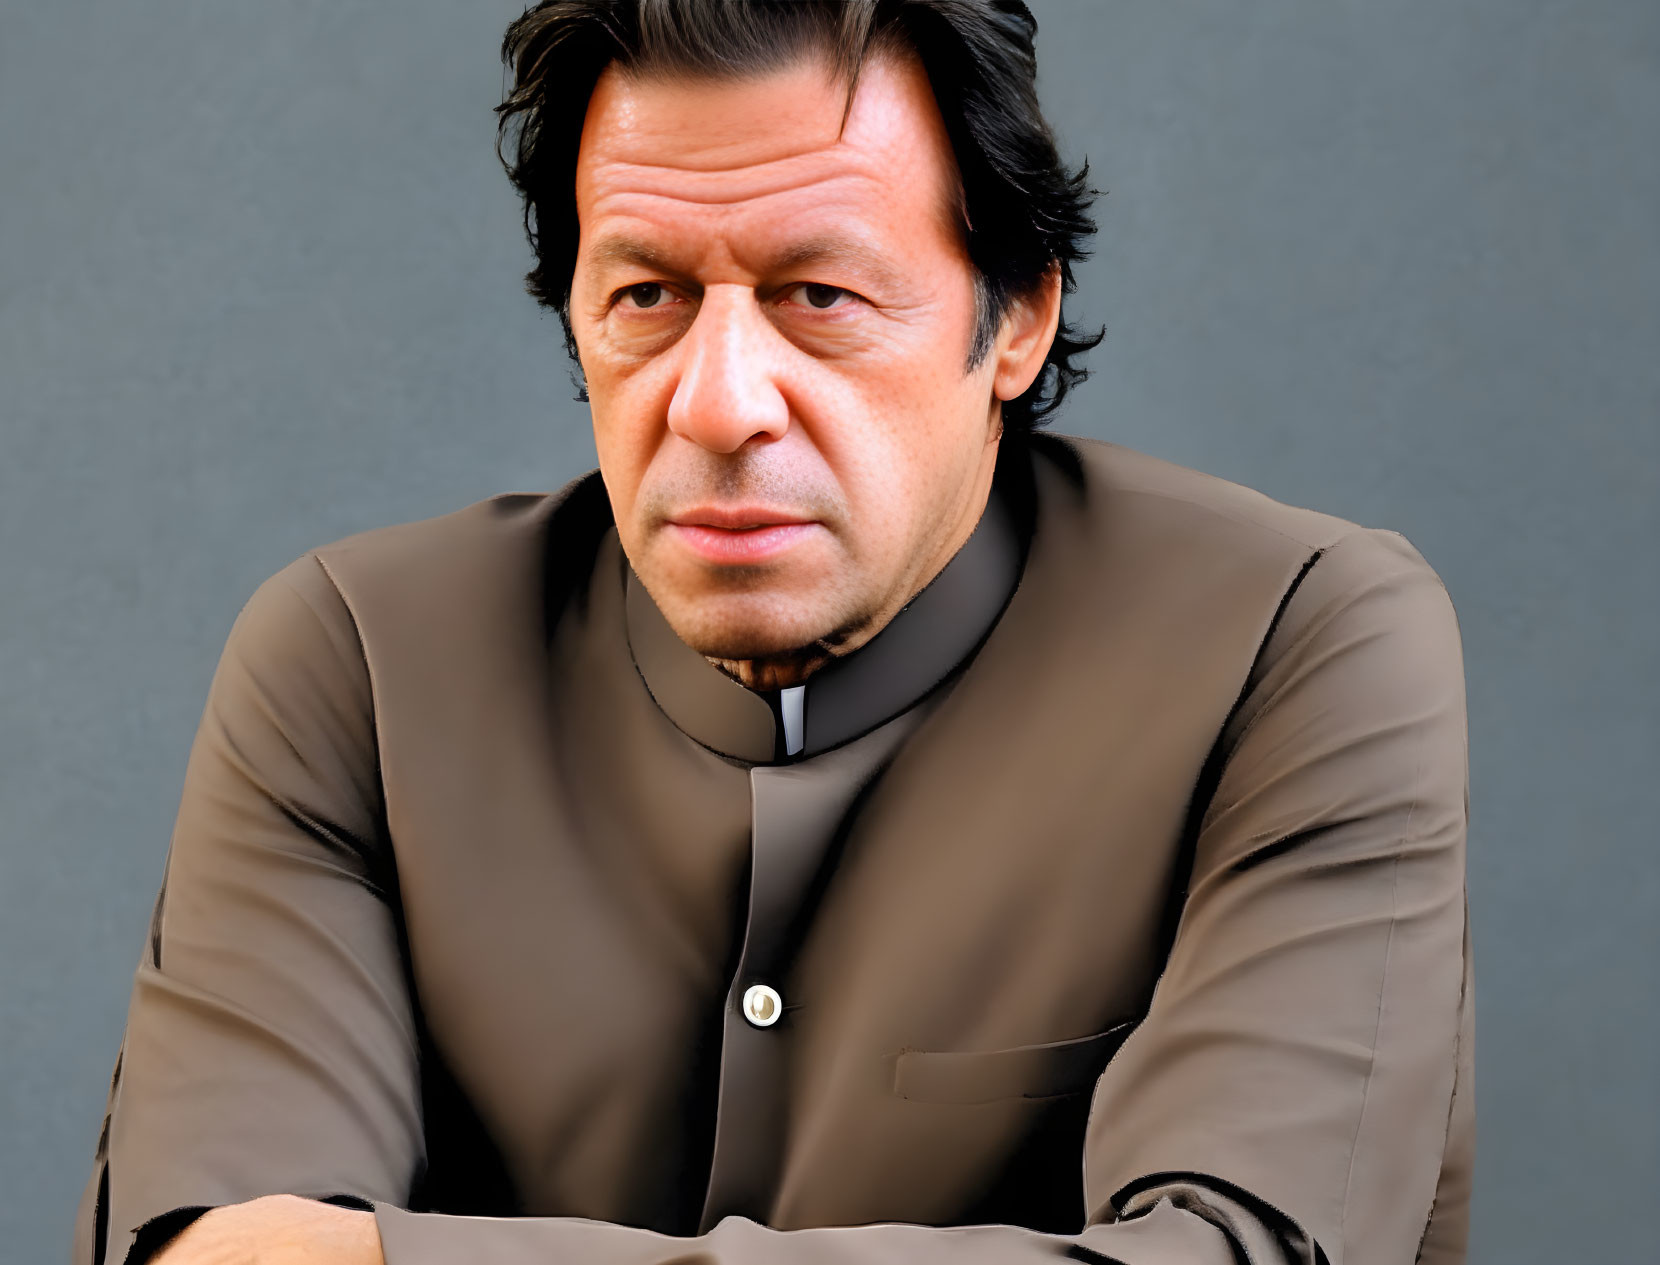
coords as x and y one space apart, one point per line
1135 482
1143 517
501 542
454 584
507 521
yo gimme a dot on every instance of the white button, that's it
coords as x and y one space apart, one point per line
762 1005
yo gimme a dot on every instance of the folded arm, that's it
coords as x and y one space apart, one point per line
1287 1097
270 1042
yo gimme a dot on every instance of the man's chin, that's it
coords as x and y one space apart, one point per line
752 644
735 635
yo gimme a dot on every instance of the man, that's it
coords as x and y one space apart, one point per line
849 827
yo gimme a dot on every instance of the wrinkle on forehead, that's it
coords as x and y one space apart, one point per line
711 150
725 187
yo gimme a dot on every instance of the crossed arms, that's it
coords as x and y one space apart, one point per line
1329 867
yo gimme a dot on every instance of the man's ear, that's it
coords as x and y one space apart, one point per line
1027 333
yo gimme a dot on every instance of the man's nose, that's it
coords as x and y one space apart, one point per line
728 391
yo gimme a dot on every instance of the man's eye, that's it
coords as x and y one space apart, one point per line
817 295
646 294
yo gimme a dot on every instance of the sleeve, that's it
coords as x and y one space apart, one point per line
1303 1039
1287 1097
270 1044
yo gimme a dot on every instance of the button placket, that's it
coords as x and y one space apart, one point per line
796 811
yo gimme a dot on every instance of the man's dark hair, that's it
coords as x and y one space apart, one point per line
1021 210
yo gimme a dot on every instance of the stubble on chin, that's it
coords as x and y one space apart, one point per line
755 658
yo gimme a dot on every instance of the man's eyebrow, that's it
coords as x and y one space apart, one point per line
846 251
625 251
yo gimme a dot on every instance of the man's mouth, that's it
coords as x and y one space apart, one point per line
739 535
738 517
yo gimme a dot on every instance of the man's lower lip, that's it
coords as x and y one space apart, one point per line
736 545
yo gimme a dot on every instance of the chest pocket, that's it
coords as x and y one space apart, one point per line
1052 1070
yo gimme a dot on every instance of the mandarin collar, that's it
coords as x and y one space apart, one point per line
920 647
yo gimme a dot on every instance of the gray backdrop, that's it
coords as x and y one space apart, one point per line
260 288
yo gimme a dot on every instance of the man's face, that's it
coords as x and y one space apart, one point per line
773 314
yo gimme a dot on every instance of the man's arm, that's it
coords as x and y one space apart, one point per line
270 1044
1285 1098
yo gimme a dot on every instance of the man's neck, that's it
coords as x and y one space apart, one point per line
776 672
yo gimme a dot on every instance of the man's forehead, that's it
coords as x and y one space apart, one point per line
657 148
797 120
700 123
828 172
